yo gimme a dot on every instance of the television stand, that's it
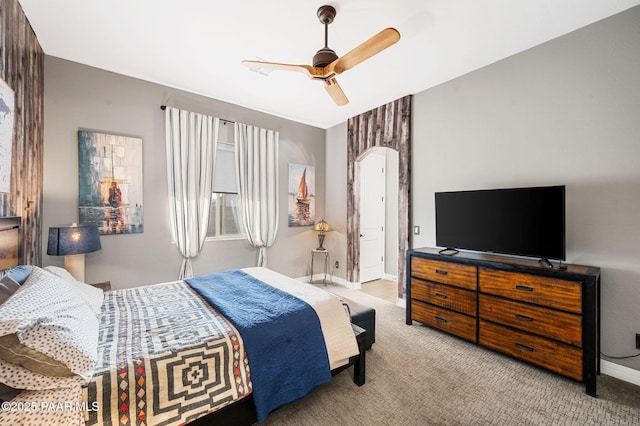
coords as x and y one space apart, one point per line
549 317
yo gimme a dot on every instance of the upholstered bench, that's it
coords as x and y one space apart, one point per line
363 316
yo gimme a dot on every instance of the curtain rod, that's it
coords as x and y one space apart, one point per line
163 107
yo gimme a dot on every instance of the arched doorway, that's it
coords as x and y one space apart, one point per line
387 126
378 215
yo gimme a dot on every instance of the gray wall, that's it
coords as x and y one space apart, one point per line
336 180
77 96
566 112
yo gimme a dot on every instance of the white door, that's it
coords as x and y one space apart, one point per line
372 211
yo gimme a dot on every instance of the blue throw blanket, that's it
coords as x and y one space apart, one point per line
282 335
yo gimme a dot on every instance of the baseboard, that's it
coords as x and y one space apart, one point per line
389 277
620 372
331 280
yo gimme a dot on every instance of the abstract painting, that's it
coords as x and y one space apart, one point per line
110 176
7 99
302 195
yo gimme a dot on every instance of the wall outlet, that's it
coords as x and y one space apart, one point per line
637 341
337 264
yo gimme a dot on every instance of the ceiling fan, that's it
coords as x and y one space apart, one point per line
326 63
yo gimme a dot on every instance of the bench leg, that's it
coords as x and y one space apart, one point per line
359 365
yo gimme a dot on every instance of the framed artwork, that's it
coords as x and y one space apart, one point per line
7 99
302 195
110 177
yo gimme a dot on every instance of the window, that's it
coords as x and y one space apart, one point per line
225 220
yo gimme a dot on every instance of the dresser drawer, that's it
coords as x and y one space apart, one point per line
554 356
454 298
551 292
445 320
444 272
546 322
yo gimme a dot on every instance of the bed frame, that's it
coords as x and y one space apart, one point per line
10 247
239 413
243 412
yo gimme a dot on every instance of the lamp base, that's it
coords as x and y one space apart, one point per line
74 263
320 242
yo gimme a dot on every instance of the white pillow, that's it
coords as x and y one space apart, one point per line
92 295
49 316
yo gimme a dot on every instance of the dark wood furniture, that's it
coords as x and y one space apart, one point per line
543 315
10 242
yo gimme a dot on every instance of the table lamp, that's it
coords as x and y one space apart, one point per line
322 228
72 242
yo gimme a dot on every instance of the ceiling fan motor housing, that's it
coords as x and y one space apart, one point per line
324 57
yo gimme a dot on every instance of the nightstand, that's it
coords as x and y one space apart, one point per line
324 253
104 286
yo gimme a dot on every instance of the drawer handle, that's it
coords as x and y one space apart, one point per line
524 287
441 272
523 317
443 320
441 295
525 347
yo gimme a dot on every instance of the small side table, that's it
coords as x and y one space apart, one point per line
326 264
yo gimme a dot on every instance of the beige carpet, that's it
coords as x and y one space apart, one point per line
419 376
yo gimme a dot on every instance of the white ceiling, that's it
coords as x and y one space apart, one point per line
197 45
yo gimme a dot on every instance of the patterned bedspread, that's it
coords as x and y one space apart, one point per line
177 359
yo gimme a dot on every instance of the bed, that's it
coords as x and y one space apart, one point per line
162 354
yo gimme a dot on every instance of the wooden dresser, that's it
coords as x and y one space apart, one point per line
545 316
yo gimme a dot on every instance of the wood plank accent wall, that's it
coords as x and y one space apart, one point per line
388 126
22 68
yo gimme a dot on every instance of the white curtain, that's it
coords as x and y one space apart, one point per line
191 151
257 171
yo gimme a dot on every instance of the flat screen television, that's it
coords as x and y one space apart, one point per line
516 221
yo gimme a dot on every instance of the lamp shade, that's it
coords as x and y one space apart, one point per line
322 227
66 240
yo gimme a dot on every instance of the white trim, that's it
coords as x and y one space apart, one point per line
401 302
390 277
620 372
353 286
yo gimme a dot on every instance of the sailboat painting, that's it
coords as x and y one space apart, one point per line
302 189
110 178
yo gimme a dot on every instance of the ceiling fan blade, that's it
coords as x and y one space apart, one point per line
335 91
376 44
306 69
